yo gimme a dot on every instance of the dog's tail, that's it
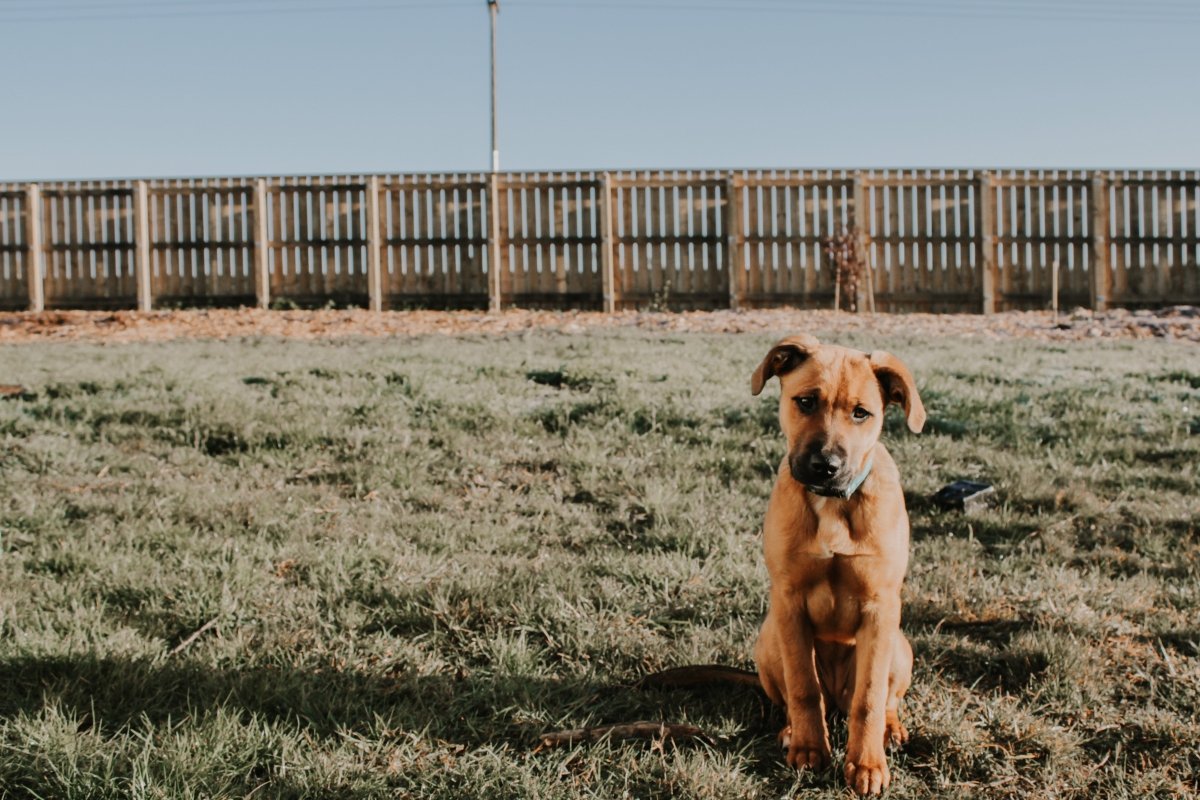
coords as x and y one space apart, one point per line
698 675
676 678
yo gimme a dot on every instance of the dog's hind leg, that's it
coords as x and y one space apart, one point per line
770 671
899 679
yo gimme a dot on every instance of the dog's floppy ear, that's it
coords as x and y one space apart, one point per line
899 387
784 357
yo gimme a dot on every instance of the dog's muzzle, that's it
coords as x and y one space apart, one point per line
826 475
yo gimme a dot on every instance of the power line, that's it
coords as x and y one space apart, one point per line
1064 10
1151 11
1120 6
136 10
179 5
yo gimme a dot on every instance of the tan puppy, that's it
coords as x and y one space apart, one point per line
836 546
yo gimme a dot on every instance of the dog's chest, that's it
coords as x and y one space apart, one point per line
826 563
831 604
830 537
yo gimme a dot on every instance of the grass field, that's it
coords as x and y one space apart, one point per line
407 558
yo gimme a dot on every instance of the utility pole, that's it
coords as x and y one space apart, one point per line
493 10
494 243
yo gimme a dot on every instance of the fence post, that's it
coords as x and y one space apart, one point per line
141 238
262 272
862 244
607 278
374 253
494 245
1098 228
35 266
733 239
986 236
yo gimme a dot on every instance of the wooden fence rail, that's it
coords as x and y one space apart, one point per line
936 240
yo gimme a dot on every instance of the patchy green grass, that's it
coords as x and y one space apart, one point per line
418 554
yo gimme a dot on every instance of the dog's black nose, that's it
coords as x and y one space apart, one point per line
824 466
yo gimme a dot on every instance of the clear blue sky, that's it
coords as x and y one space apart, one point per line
120 88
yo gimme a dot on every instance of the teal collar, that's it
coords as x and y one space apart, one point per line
854 484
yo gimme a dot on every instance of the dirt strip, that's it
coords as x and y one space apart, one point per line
1178 323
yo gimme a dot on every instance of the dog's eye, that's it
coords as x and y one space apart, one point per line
859 413
806 404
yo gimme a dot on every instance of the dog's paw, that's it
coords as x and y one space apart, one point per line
804 755
894 732
867 776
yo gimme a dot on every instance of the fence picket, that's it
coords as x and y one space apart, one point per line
693 238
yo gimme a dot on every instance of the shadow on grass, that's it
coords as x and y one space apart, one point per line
987 528
112 696
988 669
987 655
117 694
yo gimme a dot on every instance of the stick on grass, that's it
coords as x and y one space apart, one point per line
642 729
179 648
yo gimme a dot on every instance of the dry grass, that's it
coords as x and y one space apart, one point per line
412 556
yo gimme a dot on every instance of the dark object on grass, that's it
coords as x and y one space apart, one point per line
698 675
967 496
625 730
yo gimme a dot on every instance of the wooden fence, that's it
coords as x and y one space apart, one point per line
937 240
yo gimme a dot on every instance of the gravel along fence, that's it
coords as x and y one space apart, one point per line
1180 323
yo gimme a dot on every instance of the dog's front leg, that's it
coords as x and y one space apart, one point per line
806 737
866 761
